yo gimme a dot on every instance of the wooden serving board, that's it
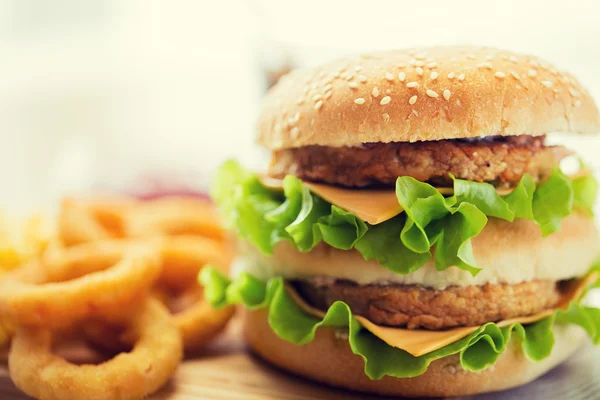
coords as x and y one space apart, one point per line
225 371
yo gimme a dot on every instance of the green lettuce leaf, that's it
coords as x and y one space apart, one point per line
520 200
431 226
382 243
552 201
585 189
586 317
484 197
452 238
477 351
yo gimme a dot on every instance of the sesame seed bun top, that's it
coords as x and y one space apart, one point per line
424 94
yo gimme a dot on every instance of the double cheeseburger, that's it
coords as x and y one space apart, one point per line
414 234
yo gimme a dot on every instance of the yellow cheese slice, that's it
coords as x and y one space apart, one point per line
420 342
372 206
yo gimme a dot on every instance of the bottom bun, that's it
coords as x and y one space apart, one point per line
329 360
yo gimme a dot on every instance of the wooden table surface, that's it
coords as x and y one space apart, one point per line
226 371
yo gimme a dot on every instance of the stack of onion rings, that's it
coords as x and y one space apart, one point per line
182 259
190 237
122 277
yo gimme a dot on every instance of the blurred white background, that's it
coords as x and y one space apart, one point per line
95 94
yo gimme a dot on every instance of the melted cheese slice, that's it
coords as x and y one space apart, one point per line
421 342
372 206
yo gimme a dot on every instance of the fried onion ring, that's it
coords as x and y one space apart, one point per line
184 256
67 285
197 320
198 323
133 375
174 216
82 221
182 259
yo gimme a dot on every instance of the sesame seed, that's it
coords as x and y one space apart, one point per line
388 91
577 103
433 76
412 84
313 85
360 100
431 93
432 64
327 94
362 78
385 100
548 84
357 68
316 97
420 56
500 75
534 63
573 92
461 77
532 73
514 75
402 76
375 92
296 117
487 65
446 94
513 59
471 56
294 132
389 76
419 64
412 100
353 85
401 65
336 74
419 70
386 117
327 87
451 75
318 105
519 87
300 100
489 57
349 76
321 74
